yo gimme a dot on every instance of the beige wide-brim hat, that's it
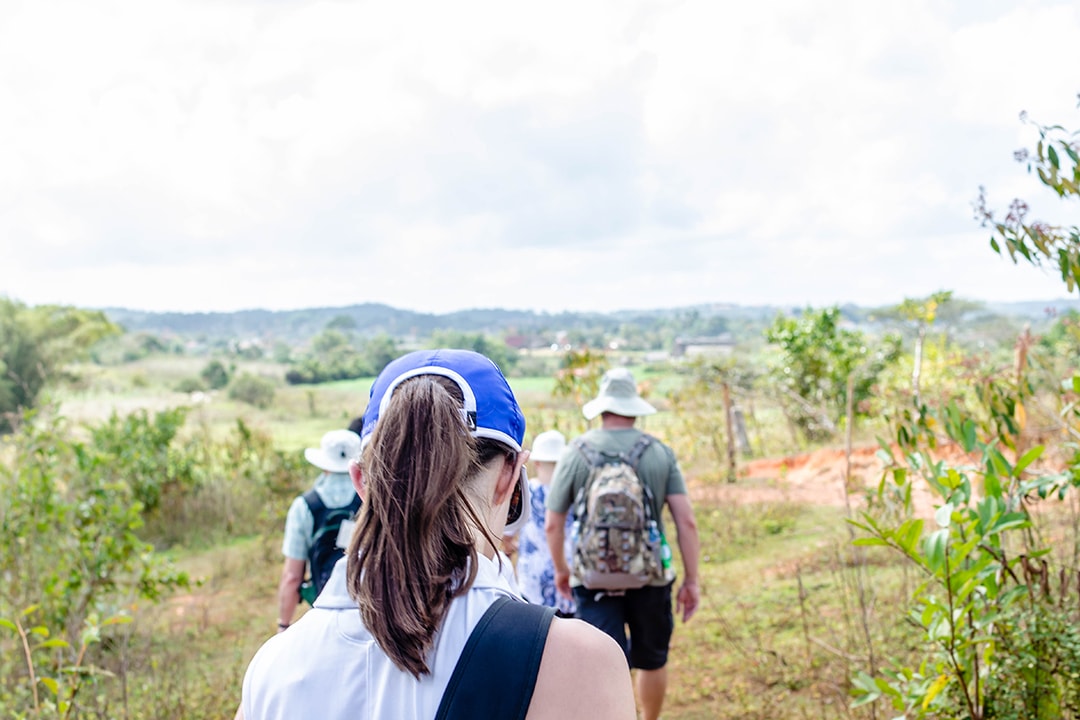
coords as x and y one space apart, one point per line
337 448
618 395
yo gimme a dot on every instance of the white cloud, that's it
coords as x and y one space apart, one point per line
598 155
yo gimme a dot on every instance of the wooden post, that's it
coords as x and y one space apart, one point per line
847 438
730 433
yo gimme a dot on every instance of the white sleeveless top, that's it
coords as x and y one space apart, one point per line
327 665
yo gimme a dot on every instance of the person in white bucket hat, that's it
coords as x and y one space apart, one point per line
318 523
535 570
645 610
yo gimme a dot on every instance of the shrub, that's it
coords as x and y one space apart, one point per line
253 390
215 375
79 556
190 385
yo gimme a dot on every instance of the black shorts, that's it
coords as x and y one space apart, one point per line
640 621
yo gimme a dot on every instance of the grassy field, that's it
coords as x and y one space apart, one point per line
777 635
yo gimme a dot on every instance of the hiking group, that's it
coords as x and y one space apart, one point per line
416 610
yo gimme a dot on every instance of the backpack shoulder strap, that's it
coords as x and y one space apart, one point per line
593 457
315 505
633 456
496 673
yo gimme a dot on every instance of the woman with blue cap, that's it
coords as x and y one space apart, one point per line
419 621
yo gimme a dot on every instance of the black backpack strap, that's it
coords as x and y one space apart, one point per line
496 673
315 505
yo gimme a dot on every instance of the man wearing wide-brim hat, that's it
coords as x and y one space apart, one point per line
645 611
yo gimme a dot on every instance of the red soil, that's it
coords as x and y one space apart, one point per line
818 477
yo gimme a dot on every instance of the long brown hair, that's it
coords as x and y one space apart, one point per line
413 549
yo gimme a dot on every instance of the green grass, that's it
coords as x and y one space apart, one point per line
759 646
754 649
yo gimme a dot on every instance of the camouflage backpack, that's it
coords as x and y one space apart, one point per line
618 542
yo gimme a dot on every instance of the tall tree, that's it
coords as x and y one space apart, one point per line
35 344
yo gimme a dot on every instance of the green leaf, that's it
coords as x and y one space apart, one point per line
970 437
992 485
936 545
51 683
1052 154
1076 384
1028 457
943 515
9 625
870 541
54 643
1010 521
998 462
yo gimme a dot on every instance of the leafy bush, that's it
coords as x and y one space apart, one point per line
79 556
999 608
139 450
993 592
816 358
253 390
74 520
215 375
190 385
334 355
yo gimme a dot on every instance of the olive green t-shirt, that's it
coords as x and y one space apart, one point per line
657 467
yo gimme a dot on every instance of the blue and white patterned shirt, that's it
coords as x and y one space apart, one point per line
535 569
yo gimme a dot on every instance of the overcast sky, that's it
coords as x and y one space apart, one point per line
436 156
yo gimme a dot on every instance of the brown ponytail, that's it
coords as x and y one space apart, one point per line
413 549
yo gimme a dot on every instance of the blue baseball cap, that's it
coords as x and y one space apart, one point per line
491 410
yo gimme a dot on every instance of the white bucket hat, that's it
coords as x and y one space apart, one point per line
618 395
548 446
338 447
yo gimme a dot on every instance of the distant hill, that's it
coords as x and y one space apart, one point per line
371 319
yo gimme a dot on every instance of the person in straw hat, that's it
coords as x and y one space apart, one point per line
640 619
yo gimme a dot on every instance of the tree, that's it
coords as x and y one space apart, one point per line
342 322
35 344
922 312
816 356
253 390
215 375
499 352
378 352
